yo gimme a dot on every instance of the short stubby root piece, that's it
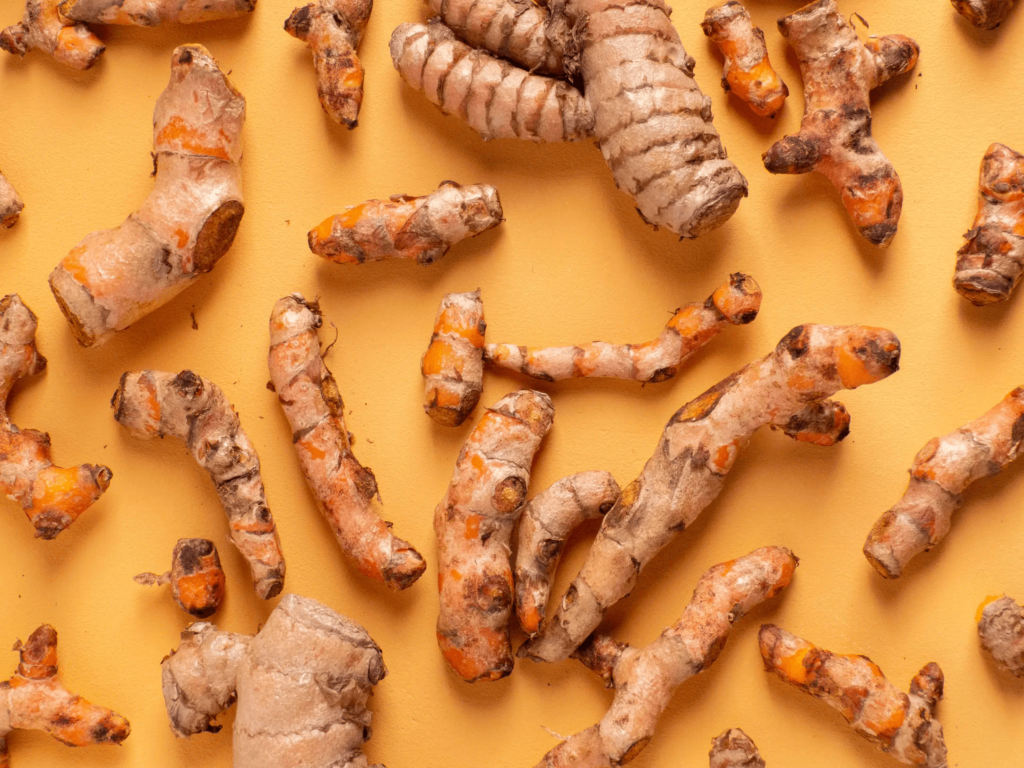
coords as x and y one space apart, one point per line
344 489
839 73
697 449
35 699
152 13
986 14
899 724
646 678
117 276
748 72
1001 629
52 497
196 578
43 28
453 365
302 684
405 227
940 474
734 749
333 29
186 406
691 327
991 262
474 523
11 204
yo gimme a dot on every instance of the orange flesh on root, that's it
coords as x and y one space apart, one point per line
985 604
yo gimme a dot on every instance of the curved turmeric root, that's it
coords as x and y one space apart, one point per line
990 263
344 489
748 72
839 73
474 523
645 679
693 457
734 749
453 365
117 276
186 406
196 578
52 497
11 204
35 699
899 724
940 474
151 13
986 14
407 227
1001 629
43 28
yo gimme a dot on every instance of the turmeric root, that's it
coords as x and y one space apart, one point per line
695 453
839 73
11 204
645 679
1001 629
35 699
453 365
344 489
43 28
986 14
117 276
748 72
824 423
474 523
196 578
734 749
899 724
407 227
195 410
302 686
990 263
52 497
940 474
151 13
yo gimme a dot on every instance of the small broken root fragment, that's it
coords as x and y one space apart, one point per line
196 578
1001 629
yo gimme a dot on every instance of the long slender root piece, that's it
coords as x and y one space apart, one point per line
11 204
691 327
748 72
151 13
52 497
43 28
990 263
839 73
645 679
407 227
333 29
694 456
117 276
186 406
453 365
35 699
986 14
1001 629
196 578
344 488
302 684
899 724
940 474
734 749
474 523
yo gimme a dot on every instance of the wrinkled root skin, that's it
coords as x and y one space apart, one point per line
990 263
734 749
985 14
43 28
344 489
152 13
645 679
839 73
52 497
453 365
940 474
899 724
11 204
1001 630
196 577
194 410
36 699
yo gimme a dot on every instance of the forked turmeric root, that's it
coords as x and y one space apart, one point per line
11 204
151 13
986 14
44 28
1001 629
196 578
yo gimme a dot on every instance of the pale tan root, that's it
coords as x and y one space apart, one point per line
453 365
734 749
1001 629
117 276
43 28
186 406
152 13
986 14
196 577
11 204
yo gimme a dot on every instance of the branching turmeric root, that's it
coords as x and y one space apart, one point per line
453 365
35 699
344 489
151 13
196 578
839 73
72 44
11 204
986 14
899 724
1001 629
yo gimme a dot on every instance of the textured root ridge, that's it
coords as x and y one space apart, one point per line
43 28
151 13
453 365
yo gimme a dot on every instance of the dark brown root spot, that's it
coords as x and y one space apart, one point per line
217 234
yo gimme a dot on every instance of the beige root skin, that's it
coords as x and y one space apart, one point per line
186 406
453 365
693 457
115 277
899 724
43 28
11 204
986 14
302 684
196 578
474 523
734 749
151 13
333 29
345 490
645 679
1001 630
940 474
